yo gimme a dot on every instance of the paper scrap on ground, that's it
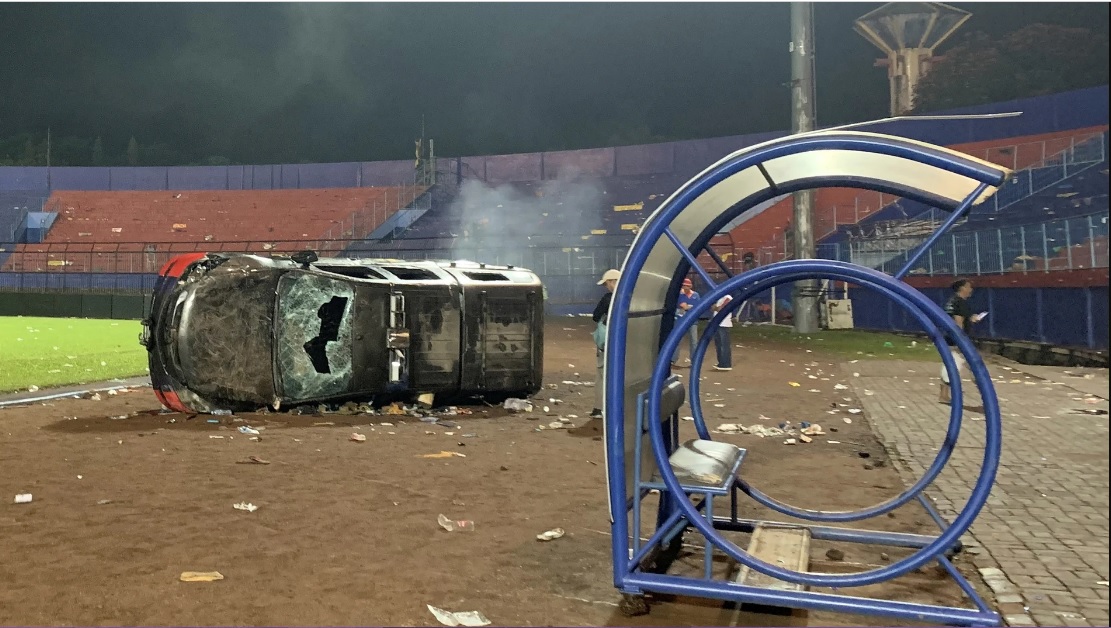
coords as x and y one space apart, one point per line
550 535
444 454
461 525
249 507
201 576
464 618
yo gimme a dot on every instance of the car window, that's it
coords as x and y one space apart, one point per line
314 336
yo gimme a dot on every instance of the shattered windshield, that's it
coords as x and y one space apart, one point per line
314 336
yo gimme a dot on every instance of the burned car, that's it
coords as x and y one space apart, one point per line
239 331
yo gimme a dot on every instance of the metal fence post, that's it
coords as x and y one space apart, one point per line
953 252
976 249
1091 242
1045 250
1068 244
999 246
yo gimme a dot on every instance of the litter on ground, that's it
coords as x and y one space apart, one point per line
452 525
463 618
550 535
200 576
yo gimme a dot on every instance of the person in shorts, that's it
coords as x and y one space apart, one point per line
959 309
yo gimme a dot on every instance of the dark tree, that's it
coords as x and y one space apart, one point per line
1035 60
98 152
132 152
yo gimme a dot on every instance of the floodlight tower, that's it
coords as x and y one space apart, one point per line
908 33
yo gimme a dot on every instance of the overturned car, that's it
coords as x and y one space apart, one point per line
239 331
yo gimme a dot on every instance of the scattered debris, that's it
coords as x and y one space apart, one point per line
23 498
101 502
253 460
789 441
426 399
462 525
246 429
835 554
358 438
517 405
465 618
201 576
855 411
839 387
444 454
550 535
249 507
794 384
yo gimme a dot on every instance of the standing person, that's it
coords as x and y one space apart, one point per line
601 312
722 342
960 310
687 297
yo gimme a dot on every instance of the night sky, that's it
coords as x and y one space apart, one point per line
332 82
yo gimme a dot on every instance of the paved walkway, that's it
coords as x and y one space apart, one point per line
1041 543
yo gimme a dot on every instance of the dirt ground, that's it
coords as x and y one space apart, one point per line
346 532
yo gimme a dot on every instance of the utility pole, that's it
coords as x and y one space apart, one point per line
47 147
804 297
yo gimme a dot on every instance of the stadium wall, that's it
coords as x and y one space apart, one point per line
1061 316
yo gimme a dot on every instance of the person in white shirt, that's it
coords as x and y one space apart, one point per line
722 342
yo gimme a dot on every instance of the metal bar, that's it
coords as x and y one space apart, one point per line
812 600
964 584
691 259
976 248
717 259
932 512
842 535
957 214
932 319
1091 244
1045 251
999 248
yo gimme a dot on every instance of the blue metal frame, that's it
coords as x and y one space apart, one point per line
677 512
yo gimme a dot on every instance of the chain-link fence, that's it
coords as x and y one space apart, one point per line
1073 243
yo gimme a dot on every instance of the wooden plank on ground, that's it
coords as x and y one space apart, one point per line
784 547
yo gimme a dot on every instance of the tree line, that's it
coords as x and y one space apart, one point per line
41 149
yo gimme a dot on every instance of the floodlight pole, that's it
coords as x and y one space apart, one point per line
804 299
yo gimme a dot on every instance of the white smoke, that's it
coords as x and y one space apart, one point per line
496 218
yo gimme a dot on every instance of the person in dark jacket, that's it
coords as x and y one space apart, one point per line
960 310
601 312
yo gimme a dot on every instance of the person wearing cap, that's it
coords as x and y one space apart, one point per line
687 297
601 312
722 343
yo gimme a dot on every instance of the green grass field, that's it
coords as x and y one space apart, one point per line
58 351
846 343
